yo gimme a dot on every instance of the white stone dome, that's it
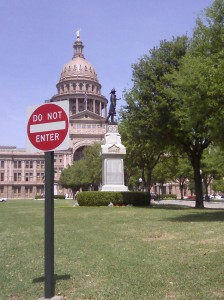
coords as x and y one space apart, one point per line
78 67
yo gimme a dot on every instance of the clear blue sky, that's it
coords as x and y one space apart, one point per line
37 36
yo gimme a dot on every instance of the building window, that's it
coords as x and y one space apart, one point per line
40 177
74 109
28 177
28 191
40 164
2 164
16 191
29 164
17 164
19 177
2 177
40 191
1 190
15 177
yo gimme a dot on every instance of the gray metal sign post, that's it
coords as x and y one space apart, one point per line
49 224
47 130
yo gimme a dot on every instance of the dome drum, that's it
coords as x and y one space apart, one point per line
78 86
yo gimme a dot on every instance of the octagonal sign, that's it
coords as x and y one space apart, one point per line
47 128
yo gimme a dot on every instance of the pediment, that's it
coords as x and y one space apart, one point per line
86 115
114 148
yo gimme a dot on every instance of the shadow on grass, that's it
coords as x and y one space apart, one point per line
203 216
56 278
213 215
169 206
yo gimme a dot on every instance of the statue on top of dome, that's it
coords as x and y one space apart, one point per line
113 103
78 33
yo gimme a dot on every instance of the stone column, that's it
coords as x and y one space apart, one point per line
77 105
100 108
94 106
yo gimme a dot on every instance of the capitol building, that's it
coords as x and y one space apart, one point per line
21 172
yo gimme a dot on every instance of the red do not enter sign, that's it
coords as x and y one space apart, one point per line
47 127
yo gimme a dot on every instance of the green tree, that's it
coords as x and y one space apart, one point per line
85 172
179 170
208 42
93 162
182 172
218 185
161 173
197 91
74 177
212 166
142 156
192 113
147 115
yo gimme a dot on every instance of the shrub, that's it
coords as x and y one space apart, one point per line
59 196
117 198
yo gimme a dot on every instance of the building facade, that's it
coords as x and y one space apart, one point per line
21 172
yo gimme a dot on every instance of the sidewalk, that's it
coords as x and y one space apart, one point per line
188 203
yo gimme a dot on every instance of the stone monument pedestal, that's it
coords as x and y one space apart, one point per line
112 153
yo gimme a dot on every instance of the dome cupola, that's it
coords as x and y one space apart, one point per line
78 67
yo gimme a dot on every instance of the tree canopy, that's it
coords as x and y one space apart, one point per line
85 172
177 95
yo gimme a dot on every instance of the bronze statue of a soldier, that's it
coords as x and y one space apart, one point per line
113 103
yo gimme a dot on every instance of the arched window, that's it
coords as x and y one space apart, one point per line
78 155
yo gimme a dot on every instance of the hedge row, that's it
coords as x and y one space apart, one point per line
55 197
168 196
117 198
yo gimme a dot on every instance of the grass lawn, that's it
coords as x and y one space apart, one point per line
116 253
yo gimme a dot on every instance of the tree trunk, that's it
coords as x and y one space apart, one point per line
195 158
149 181
181 186
199 203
